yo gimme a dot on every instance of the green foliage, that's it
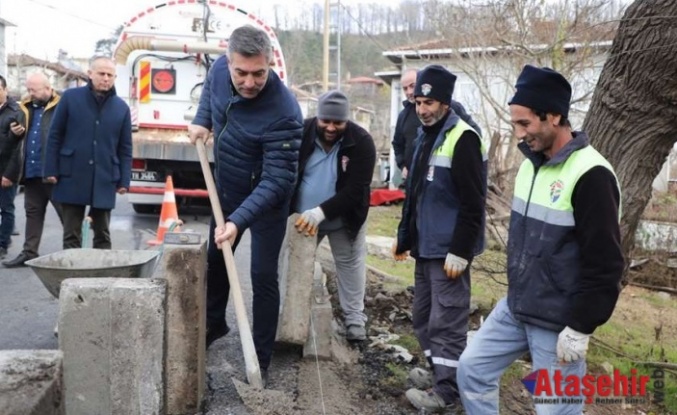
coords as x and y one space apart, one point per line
361 55
625 346
403 271
303 55
515 372
397 378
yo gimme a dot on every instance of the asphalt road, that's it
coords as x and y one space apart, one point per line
28 313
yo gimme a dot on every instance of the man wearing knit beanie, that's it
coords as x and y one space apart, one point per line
442 227
333 105
407 125
336 164
564 253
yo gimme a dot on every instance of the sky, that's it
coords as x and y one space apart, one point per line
45 26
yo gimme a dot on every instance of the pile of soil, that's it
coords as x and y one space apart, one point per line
656 270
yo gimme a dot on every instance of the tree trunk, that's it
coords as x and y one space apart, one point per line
632 117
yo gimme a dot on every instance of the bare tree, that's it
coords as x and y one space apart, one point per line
105 46
632 116
490 43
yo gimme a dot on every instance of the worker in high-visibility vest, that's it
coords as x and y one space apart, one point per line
564 252
443 227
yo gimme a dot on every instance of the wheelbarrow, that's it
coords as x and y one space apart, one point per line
52 269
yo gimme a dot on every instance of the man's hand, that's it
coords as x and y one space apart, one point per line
227 232
17 129
51 180
405 173
122 190
309 221
398 257
197 131
572 345
6 182
454 266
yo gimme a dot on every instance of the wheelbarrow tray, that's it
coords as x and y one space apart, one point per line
53 268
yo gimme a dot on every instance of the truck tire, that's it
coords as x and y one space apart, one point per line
139 208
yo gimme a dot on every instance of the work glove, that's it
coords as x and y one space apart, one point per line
454 266
398 257
309 221
572 345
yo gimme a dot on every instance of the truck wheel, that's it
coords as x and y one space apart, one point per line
139 208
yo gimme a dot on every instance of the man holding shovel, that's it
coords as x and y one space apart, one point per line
257 125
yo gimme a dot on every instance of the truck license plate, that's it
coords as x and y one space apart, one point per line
145 176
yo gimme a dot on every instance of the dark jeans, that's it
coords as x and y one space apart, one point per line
7 214
73 216
37 196
266 240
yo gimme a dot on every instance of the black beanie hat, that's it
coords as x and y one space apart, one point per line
542 89
436 82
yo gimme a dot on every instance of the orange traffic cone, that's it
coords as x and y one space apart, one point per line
168 215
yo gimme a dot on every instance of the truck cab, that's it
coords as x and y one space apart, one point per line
163 56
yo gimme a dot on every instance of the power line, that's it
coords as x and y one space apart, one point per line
49 6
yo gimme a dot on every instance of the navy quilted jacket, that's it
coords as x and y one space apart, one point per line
256 144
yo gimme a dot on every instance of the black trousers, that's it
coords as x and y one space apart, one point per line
440 320
37 195
73 215
267 235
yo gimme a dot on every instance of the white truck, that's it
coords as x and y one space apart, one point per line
163 55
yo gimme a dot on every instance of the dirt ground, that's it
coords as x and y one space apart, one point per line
362 380
656 269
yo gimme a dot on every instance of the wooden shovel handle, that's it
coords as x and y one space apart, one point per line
250 359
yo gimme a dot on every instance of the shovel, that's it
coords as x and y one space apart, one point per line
250 359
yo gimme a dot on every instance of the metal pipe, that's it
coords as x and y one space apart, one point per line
148 43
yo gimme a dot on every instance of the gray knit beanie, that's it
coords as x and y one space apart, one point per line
333 106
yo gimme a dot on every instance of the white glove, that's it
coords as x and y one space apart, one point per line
454 266
572 345
309 221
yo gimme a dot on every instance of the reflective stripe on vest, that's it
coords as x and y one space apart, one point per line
443 155
550 200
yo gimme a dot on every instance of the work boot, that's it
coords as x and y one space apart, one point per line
429 401
420 378
215 332
355 333
18 261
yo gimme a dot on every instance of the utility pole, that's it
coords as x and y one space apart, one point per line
331 48
335 43
325 49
